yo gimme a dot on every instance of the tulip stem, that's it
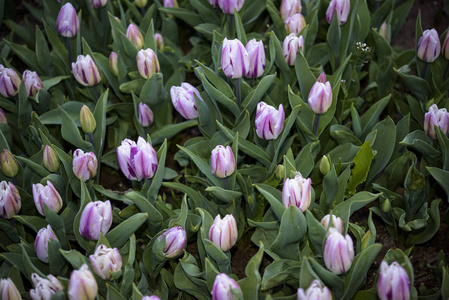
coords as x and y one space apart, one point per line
91 138
142 11
95 92
237 91
446 71
225 183
69 51
425 71
315 126
149 182
231 25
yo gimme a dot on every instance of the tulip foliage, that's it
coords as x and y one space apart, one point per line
219 150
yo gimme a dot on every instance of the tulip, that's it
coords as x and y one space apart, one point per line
48 195
320 96
256 54
10 202
8 290
98 3
84 164
105 262
383 30
170 3
151 298
228 6
225 288
44 288
3 119
87 120
141 3
159 41
337 223
9 165
234 58
67 22
96 218
32 83
41 242
145 115
82 284
137 161
51 159
325 165
445 47
436 117
9 83
175 241
393 282
291 46
135 36
222 161
338 252
147 63
428 46
223 232
183 99
297 192
295 24
269 121
86 71
214 3
113 63
290 8
342 7
315 292
2 69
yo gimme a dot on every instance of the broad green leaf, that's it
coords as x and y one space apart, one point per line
362 163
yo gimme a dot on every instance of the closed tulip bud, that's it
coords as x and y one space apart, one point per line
291 46
445 47
175 241
290 8
151 298
234 58
105 262
393 282
135 36
147 63
297 192
170 3
84 164
98 3
41 242
137 160
269 121
225 288
386 205
325 165
9 83
87 120
295 24
8 290
96 218
145 115
315 292
8 163
338 252
337 223
82 284
141 3
429 46
183 99
113 63
256 54
342 7
159 41
10 201
222 161
67 22
86 71
44 288
320 96
383 30
32 83
223 232
51 159
436 117
48 195
228 6
3 119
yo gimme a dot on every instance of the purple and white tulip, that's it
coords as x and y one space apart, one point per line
41 242
48 195
295 24
225 288
393 282
82 284
10 201
269 121
342 7
137 160
9 83
290 8
338 252
8 290
96 218
147 63
291 46
234 59
315 292
222 161
175 241
429 46
86 71
183 99
84 164
297 192
223 232
320 96
436 117
106 261
135 36
67 22
256 54
44 288
32 83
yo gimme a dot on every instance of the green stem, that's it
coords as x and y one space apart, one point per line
315 126
149 182
147 131
237 91
425 71
91 138
94 88
225 183
231 26
69 51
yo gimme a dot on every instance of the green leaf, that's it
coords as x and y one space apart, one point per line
71 133
442 177
421 142
362 163
369 118
278 272
251 283
153 91
274 197
418 86
241 35
155 221
359 200
250 102
169 131
113 294
118 236
159 175
184 14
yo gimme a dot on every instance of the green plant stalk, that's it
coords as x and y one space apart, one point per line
69 51
425 71
225 183
231 26
237 92
315 125
94 88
